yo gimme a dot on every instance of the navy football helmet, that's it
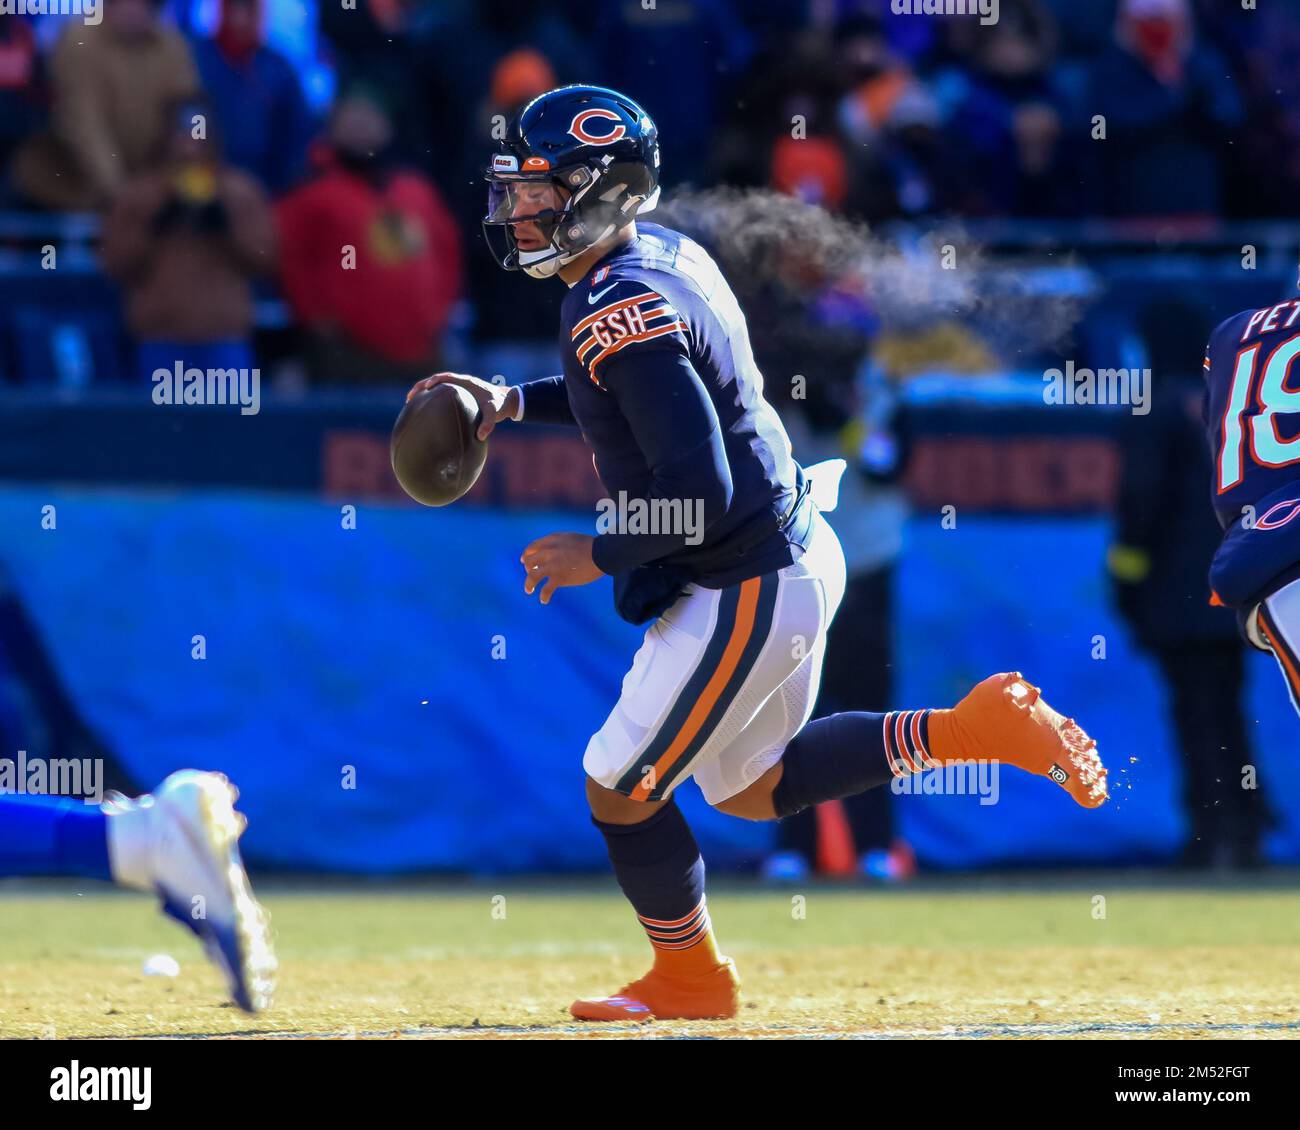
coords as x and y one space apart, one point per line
598 147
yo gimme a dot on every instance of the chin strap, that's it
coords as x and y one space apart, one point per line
545 268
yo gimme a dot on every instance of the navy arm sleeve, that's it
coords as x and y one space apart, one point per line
546 402
673 421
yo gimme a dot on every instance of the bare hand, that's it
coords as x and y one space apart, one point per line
495 402
562 560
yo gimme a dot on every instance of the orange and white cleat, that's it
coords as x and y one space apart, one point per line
656 996
1005 717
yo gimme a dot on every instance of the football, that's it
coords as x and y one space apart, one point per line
435 450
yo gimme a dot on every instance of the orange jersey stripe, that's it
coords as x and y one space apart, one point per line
741 630
591 319
658 331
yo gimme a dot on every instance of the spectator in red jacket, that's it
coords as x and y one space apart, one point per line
370 258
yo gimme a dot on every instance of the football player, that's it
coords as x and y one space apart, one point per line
1252 416
181 843
660 378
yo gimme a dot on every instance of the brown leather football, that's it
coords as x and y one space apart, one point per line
435 451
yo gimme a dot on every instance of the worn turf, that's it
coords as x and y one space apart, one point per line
484 961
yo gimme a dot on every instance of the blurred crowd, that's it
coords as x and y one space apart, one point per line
330 154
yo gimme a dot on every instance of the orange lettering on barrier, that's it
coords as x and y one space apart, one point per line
356 465
1092 474
1033 474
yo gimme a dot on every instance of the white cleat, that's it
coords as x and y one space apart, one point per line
188 845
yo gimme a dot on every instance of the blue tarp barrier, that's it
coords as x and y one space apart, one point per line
329 648
1031 595
369 653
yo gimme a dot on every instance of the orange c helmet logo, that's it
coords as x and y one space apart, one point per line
578 127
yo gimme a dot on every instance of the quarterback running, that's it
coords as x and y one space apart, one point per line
660 378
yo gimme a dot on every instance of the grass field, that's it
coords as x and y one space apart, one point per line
484 961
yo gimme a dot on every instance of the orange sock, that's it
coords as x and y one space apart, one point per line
685 947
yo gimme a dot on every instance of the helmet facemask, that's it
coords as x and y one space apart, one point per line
582 221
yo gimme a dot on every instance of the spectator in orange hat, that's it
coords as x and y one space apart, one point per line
906 173
520 76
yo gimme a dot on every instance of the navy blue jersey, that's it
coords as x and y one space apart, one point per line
1252 418
1253 406
660 377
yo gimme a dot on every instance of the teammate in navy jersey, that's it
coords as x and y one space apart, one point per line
1252 416
740 587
